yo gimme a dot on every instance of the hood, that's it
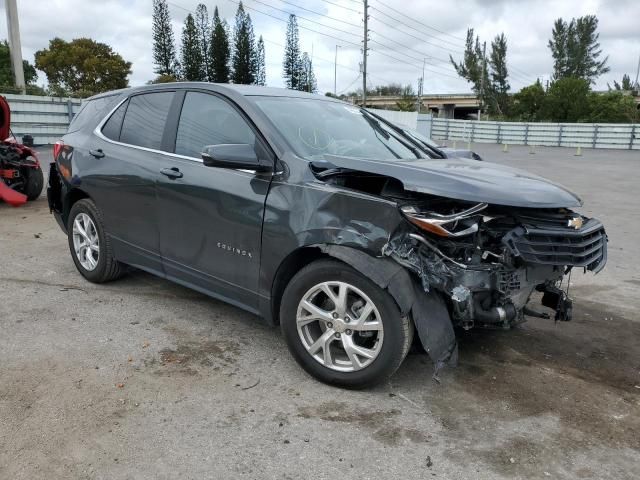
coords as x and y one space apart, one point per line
467 180
5 118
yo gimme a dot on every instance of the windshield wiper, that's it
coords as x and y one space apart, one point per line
375 120
424 147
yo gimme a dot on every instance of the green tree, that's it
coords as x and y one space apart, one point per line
82 67
219 53
529 102
612 107
408 101
162 79
261 78
499 100
471 66
164 50
203 28
625 85
567 100
575 49
308 81
245 55
6 72
192 61
292 62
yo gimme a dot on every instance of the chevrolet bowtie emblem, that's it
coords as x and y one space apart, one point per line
575 222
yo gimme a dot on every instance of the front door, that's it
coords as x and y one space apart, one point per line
211 218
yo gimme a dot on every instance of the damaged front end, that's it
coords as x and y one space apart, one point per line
487 260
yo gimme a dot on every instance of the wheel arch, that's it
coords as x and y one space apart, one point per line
71 198
427 309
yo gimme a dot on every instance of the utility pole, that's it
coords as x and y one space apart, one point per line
13 29
364 53
335 72
484 66
636 86
421 86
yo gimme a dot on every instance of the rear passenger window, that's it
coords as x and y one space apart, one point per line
112 128
208 120
145 118
91 110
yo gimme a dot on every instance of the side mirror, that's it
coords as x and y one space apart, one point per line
233 155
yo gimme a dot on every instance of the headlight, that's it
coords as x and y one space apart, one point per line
457 224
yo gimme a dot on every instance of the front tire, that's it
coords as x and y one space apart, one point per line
33 182
89 245
342 328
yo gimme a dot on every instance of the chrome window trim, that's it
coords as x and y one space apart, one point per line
98 133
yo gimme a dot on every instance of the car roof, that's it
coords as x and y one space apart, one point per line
244 90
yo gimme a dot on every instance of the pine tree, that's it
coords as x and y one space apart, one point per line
164 50
470 68
499 86
291 65
203 28
575 49
191 53
308 81
245 55
261 78
219 53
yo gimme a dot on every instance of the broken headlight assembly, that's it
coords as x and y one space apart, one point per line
458 224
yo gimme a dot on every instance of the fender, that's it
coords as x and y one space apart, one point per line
427 309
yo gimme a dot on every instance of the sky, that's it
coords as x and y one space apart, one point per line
402 34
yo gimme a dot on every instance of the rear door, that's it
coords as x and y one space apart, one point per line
129 148
211 218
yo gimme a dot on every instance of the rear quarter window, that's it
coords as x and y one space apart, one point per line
145 118
91 111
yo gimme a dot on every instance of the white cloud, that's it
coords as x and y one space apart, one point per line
126 26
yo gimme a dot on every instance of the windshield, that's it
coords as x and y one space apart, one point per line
316 128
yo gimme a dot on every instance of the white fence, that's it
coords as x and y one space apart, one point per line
586 135
44 118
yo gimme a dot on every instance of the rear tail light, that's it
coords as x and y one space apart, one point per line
57 148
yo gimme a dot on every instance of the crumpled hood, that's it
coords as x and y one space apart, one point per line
468 180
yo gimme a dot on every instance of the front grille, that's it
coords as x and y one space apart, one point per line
565 246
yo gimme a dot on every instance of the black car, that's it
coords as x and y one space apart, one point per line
316 215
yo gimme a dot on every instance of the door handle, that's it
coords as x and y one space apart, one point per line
96 153
172 172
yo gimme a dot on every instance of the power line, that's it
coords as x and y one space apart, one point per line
320 14
415 29
395 27
420 60
307 19
419 22
413 64
300 26
410 48
342 6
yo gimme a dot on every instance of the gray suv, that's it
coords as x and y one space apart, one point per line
315 215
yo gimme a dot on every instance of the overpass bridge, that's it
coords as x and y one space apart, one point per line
446 105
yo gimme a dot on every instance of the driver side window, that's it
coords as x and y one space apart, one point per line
209 120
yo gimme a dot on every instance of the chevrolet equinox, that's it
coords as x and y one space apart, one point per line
345 229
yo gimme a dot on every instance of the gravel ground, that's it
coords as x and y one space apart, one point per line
142 378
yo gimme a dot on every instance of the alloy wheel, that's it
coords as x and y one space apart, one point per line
339 326
86 242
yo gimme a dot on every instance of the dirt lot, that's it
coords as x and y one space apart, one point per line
145 379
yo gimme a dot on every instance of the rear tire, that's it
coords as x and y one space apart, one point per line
89 245
33 182
358 349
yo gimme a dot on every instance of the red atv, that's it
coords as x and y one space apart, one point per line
21 177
